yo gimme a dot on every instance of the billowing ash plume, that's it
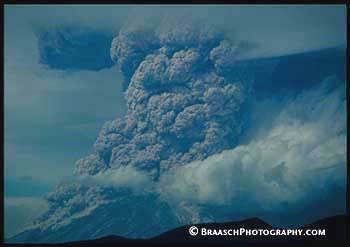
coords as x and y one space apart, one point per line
181 107
175 158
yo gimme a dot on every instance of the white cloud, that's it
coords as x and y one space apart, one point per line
126 176
294 161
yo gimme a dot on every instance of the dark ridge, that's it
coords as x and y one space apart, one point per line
337 229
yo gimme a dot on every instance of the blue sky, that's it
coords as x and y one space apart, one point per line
52 116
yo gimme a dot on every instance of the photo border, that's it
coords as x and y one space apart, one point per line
192 2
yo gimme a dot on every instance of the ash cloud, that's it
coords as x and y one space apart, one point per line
179 143
72 48
181 107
